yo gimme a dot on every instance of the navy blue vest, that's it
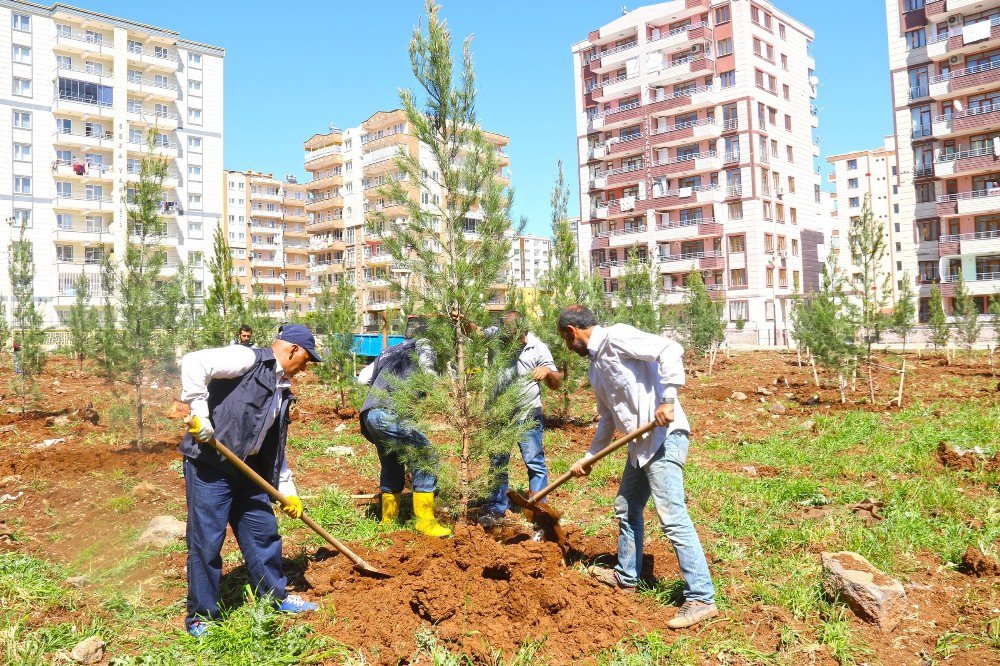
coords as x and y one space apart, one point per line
237 408
399 362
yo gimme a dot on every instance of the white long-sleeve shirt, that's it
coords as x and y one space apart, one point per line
632 372
200 367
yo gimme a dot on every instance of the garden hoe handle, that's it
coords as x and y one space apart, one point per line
597 457
193 426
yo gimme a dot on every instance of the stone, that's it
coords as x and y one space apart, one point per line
813 399
88 651
11 480
162 531
46 443
777 408
738 395
8 428
57 421
340 428
339 451
7 497
870 594
77 581
809 425
749 470
764 391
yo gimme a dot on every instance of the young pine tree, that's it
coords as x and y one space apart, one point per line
562 286
870 284
454 271
905 313
637 300
701 316
939 326
336 320
28 329
967 326
136 308
225 307
82 323
4 330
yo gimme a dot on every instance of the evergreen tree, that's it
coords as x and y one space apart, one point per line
967 326
258 317
870 284
825 324
940 328
28 329
637 300
82 323
225 307
454 271
136 306
701 316
905 313
4 329
560 287
336 320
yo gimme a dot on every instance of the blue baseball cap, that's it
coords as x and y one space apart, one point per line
299 334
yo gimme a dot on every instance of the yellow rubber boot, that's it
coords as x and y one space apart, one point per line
423 509
390 507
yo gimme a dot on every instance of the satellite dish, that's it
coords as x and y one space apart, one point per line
814 80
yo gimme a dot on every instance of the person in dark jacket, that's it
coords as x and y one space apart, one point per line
394 440
242 396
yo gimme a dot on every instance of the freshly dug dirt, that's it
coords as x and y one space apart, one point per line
976 563
479 594
967 461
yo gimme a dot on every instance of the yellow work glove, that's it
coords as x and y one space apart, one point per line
294 506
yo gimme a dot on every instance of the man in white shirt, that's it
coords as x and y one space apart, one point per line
241 396
635 376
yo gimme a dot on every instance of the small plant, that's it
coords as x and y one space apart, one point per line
904 315
940 328
83 323
29 333
336 319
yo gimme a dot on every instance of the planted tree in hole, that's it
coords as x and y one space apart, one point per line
83 323
967 326
336 320
938 322
27 329
225 307
561 286
4 329
825 323
905 313
637 300
701 318
869 283
182 315
136 307
454 271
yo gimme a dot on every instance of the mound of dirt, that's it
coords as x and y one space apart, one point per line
968 461
480 595
976 563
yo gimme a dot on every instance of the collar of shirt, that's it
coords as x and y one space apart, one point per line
281 381
597 337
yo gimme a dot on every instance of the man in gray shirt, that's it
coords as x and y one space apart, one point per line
531 360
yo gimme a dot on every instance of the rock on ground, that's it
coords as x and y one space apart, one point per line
339 451
162 531
738 395
976 563
870 594
88 651
777 408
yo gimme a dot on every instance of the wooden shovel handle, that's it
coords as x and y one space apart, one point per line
597 457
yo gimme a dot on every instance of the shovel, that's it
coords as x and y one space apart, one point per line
545 517
359 564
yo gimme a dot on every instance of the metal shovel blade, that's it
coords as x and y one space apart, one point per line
544 517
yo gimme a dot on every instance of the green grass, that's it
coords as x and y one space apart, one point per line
334 510
652 649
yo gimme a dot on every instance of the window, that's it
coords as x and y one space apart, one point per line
722 15
738 311
22 87
194 116
788 122
852 183
194 201
738 277
194 59
774 148
783 278
929 271
133 106
736 211
194 87
791 184
22 152
195 259
795 247
769 277
781 30
772 115
22 218
738 243
727 79
64 253
786 92
928 230
916 38
768 243
793 215
925 193
22 185
724 47
789 153
784 63
194 144
22 54
852 165
854 202
21 22
912 5
194 172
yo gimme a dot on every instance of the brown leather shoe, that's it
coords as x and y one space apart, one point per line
610 578
691 613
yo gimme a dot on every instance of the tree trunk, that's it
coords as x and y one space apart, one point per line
871 383
812 361
565 393
711 362
138 413
842 385
463 415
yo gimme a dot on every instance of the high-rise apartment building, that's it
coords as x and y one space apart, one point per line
944 58
82 91
581 234
265 224
871 174
695 123
348 168
530 259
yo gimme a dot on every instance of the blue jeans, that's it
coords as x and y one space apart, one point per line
399 447
214 499
662 479
534 459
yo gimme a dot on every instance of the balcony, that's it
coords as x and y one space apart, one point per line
156 57
324 181
82 171
970 78
683 36
612 56
382 306
324 204
317 243
687 164
977 160
616 87
675 263
935 10
697 130
163 89
701 227
83 106
84 202
84 233
168 149
274 213
84 42
976 202
983 284
171 179
628 173
977 243
324 157
626 145
89 73
84 138
164 120
682 70
378 259
976 119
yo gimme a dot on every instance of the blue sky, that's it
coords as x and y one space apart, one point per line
292 72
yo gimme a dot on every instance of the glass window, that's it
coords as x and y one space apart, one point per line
22 87
722 15
22 152
916 38
22 218
22 54
724 47
21 22
727 79
22 185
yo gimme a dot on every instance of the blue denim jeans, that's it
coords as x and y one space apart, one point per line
214 499
534 459
662 478
399 447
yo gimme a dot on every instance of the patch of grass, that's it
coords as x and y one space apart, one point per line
27 580
121 504
651 649
835 632
36 647
335 510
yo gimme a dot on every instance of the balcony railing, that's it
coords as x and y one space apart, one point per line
967 113
690 222
621 232
690 255
976 235
618 49
163 55
87 69
600 84
678 31
682 126
98 198
75 35
165 85
918 92
107 134
974 69
87 167
980 277
625 168
84 99
951 156
920 131
974 194
687 158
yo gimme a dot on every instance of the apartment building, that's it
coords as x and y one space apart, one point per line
695 125
265 224
530 259
944 58
81 91
581 235
872 174
348 168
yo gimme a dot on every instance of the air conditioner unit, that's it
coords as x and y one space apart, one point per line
955 19
956 60
696 48
783 254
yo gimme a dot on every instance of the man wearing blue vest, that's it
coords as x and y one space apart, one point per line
243 397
